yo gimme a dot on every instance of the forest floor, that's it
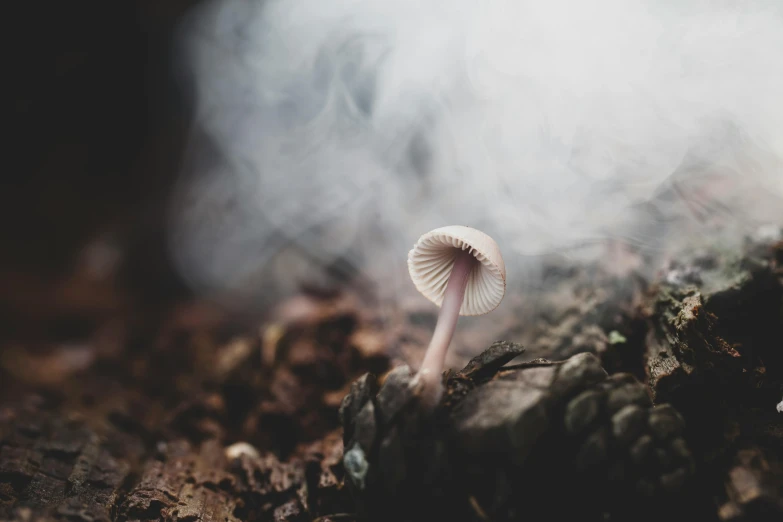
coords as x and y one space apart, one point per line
128 410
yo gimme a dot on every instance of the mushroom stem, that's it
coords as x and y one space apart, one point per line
435 356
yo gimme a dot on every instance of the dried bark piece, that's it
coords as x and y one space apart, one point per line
175 488
754 488
712 352
362 390
488 362
52 467
326 491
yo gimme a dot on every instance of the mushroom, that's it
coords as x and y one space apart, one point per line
461 270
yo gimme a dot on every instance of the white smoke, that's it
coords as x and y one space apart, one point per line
332 133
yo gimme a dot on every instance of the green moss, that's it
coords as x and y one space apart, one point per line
616 337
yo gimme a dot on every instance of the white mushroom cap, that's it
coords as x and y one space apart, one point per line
431 260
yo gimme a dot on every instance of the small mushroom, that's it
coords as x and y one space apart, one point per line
461 270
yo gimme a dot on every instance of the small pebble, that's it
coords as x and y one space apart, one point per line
238 449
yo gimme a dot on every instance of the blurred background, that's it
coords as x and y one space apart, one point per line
97 124
235 154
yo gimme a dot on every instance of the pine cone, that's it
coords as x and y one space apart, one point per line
533 441
396 452
546 439
395 457
624 447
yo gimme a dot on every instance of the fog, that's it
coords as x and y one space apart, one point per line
329 135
